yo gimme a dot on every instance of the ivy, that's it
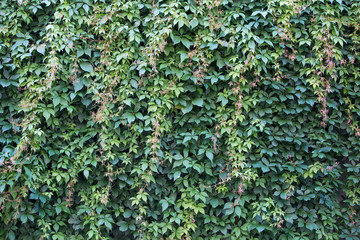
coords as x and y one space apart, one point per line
179 119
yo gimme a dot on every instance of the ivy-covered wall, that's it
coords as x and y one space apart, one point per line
179 119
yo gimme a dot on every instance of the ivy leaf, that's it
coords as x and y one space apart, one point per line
223 100
123 226
86 101
56 227
46 115
183 56
129 116
86 66
263 13
79 53
238 211
251 44
186 163
214 202
164 205
198 102
260 228
325 149
78 84
11 235
213 46
175 39
127 214
23 218
2 187
86 8
56 101
134 83
86 173
177 175
5 83
187 109
220 63
194 23
6 127
209 155
108 225
186 43
41 49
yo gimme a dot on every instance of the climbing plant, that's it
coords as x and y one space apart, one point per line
181 119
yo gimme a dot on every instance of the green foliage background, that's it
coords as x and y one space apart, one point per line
179 119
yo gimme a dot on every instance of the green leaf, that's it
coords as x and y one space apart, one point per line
86 173
164 205
325 149
260 228
194 23
56 227
142 71
72 96
108 225
86 101
79 53
58 209
123 226
251 44
2 187
28 173
186 43
210 155
46 115
11 235
127 214
213 46
175 39
86 8
183 56
311 226
186 163
214 202
56 101
78 85
223 100
5 82
238 211
134 84
263 13
129 116
187 109
198 102
23 218
177 175
86 66
41 49
6 127
220 63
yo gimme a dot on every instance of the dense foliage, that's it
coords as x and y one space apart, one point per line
189 119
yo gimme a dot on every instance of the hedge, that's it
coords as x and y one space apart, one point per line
179 119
